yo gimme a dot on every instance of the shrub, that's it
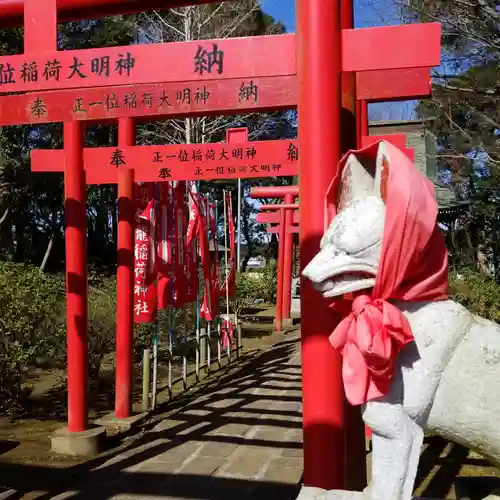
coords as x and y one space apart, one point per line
253 287
31 323
480 294
101 321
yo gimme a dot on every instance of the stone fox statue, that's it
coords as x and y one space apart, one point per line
445 377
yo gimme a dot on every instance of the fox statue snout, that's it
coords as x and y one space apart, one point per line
349 254
444 382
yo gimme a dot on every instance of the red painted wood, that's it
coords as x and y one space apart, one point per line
274 218
276 229
391 47
413 83
125 279
76 277
398 140
319 117
161 100
40 26
364 120
363 49
181 162
283 206
246 57
279 282
11 11
273 191
237 135
189 98
288 259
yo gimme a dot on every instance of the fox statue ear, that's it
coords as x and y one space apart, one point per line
381 172
358 179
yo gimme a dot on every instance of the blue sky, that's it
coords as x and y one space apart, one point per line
366 13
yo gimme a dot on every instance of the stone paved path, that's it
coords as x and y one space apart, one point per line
242 440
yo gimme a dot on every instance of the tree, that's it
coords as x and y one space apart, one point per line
215 21
32 205
464 109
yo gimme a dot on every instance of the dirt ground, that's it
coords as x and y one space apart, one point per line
24 439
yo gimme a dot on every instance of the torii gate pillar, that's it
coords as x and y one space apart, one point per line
319 105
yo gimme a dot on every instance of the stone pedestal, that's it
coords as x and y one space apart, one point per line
120 425
477 488
86 443
309 493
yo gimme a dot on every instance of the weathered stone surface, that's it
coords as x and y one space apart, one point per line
86 443
245 466
285 470
204 466
493 496
179 452
111 423
225 402
220 450
231 430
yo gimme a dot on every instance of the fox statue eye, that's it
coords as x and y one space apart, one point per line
357 227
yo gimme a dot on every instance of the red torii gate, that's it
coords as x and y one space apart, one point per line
284 217
321 47
286 212
370 86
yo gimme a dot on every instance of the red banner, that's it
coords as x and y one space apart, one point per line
203 227
192 246
145 299
165 240
231 279
227 333
214 286
180 229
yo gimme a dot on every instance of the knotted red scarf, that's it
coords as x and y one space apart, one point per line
413 266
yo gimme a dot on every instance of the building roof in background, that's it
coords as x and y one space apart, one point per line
424 144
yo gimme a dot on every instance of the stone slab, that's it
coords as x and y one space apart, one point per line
86 443
111 423
8 494
285 470
477 487
309 493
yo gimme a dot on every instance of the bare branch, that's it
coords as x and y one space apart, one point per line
5 215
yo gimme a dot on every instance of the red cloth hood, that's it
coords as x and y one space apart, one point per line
413 266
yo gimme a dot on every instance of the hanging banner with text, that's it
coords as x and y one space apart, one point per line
145 255
180 162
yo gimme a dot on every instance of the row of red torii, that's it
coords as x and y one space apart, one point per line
326 67
284 219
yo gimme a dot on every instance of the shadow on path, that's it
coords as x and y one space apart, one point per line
241 439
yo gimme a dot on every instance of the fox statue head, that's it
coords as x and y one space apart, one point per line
351 246
383 233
